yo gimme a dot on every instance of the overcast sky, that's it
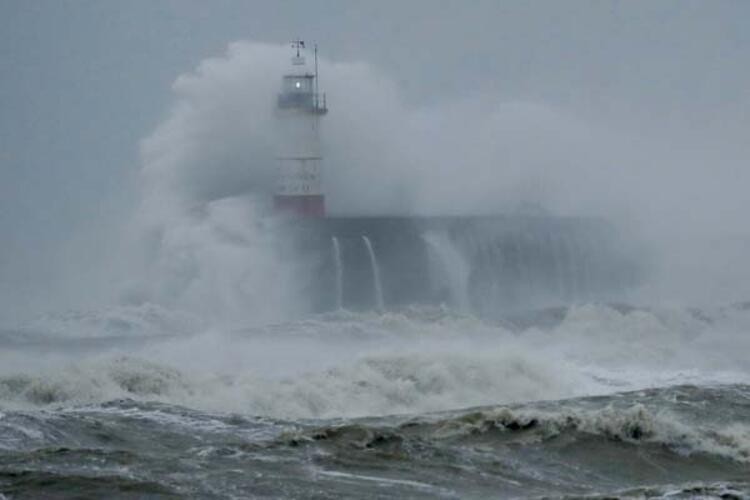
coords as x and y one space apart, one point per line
82 82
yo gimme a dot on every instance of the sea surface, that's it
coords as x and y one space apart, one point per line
595 400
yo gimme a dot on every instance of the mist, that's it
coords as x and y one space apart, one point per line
208 167
531 278
643 128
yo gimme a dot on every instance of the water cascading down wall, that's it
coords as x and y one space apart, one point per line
484 265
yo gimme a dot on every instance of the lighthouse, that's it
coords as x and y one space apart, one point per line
299 107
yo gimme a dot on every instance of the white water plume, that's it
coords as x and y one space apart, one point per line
452 267
199 239
339 270
376 284
208 168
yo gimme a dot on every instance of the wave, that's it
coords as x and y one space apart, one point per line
692 489
92 383
622 444
373 385
366 364
633 424
620 418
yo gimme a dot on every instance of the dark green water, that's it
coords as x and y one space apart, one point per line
590 401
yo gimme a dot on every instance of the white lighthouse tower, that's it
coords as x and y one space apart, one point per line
299 108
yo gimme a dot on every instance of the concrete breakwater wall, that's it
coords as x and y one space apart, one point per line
481 264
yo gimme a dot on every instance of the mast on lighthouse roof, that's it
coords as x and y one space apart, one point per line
299 108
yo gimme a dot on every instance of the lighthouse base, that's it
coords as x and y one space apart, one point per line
312 205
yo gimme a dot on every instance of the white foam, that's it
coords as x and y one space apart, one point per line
350 364
377 479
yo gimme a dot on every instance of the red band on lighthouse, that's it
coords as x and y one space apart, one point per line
300 205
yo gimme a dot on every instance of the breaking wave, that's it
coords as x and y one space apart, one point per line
372 385
437 401
633 424
365 364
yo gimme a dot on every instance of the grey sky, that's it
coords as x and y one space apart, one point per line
83 81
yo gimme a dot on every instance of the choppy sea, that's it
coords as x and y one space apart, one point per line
596 400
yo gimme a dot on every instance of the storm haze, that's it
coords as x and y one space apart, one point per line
635 111
505 256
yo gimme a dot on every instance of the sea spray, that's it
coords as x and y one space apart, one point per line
339 272
573 269
377 285
216 150
453 267
357 364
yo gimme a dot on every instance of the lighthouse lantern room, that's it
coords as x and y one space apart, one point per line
299 108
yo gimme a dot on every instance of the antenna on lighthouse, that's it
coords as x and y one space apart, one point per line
297 44
316 74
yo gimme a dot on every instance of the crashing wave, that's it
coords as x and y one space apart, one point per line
635 424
